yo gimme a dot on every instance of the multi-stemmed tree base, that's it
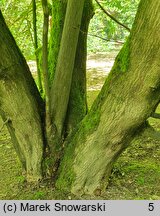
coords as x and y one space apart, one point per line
128 97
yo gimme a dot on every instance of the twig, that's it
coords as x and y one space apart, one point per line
105 39
4 123
113 18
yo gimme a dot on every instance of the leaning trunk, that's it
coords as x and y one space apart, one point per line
128 97
21 104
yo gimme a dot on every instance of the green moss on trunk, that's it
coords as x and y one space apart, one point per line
77 107
129 96
57 22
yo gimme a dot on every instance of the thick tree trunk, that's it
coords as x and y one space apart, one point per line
20 102
128 97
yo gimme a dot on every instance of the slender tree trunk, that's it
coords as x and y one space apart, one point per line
20 102
48 125
62 81
36 44
128 97
77 106
57 22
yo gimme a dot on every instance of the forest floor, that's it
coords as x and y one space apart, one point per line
136 174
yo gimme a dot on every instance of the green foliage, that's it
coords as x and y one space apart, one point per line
18 16
103 26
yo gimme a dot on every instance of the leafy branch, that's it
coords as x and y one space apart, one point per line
112 17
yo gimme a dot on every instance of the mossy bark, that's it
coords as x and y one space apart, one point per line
77 106
57 22
20 102
128 97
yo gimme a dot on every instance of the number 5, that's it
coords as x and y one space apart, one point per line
151 207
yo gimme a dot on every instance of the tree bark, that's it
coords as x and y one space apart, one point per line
129 96
57 22
48 124
77 106
62 81
21 103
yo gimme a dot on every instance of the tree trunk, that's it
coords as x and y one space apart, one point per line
34 8
60 90
21 104
129 96
48 125
57 22
77 106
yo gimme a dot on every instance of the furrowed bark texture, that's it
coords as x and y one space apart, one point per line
77 106
128 97
62 81
21 103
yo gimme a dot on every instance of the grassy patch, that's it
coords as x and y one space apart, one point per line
136 174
